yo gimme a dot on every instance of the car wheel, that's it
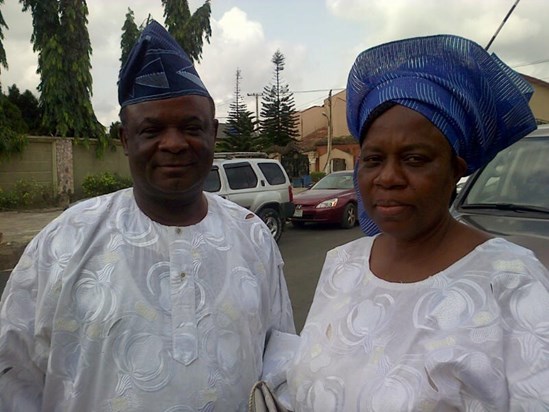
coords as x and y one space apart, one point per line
349 216
272 219
298 224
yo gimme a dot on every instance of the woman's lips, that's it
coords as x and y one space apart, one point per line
389 207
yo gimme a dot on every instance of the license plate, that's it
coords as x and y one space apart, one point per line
298 213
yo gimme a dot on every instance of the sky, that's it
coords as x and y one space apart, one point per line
319 39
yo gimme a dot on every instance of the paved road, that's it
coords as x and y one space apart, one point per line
303 251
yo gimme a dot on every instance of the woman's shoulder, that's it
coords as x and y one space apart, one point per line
506 260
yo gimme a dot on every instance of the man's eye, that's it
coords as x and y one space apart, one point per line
193 129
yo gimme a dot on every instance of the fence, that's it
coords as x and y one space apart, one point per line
62 163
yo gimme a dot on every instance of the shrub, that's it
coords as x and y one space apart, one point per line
316 176
27 194
103 183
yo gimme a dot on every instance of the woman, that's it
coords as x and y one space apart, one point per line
427 314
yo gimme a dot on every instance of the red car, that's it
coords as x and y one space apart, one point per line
331 200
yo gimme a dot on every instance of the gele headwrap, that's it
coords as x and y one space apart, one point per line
477 101
157 68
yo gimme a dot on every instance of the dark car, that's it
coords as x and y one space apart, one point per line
509 197
331 200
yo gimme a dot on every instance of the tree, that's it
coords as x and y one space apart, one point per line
12 128
189 30
240 127
3 58
130 34
279 117
61 38
28 106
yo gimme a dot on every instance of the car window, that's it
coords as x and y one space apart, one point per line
212 182
335 181
517 175
240 175
273 173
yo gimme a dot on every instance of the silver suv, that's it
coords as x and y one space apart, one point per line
255 182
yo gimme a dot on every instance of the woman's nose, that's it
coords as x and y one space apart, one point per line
390 174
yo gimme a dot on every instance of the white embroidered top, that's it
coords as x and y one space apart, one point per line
474 337
108 310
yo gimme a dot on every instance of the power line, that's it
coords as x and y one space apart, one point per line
531 64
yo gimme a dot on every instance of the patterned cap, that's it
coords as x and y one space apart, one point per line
157 68
478 103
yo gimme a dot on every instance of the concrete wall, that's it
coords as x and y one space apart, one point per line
61 163
86 163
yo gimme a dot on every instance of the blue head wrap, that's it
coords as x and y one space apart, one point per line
157 68
478 103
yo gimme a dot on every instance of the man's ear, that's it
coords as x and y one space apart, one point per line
123 135
215 127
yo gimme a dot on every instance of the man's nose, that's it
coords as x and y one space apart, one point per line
173 141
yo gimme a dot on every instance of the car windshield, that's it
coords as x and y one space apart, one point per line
517 176
335 181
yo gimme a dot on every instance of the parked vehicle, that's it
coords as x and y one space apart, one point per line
331 200
509 197
255 182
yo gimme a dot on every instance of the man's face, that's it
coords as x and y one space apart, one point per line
170 145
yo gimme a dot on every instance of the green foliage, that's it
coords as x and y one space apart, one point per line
190 31
240 127
130 34
114 131
61 38
12 129
29 108
27 194
103 183
3 58
316 176
279 116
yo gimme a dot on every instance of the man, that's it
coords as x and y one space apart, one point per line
156 298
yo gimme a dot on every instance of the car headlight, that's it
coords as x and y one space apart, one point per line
327 203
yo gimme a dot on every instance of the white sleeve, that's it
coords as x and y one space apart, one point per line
524 304
21 379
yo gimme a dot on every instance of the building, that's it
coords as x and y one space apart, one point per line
316 137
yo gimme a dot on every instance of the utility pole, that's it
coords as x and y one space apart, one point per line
501 25
256 95
328 166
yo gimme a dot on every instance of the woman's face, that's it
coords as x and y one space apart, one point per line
407 174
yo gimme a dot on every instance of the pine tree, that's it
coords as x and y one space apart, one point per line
279 118
190 31
3 58
240 127
130 34
61 38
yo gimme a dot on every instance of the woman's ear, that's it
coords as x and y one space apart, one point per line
460 168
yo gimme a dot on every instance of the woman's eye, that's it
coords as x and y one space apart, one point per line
371 160
415 160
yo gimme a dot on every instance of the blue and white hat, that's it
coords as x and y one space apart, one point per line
478 103
157 68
